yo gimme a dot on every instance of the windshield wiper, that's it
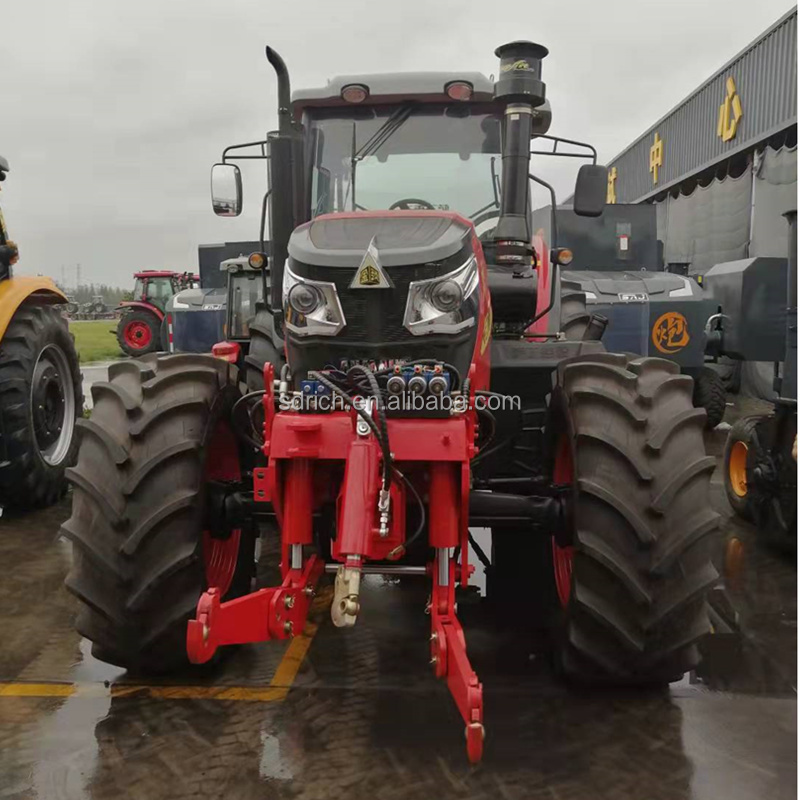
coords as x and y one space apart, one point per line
375 142
495 188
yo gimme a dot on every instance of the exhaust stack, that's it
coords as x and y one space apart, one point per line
520 86
288 207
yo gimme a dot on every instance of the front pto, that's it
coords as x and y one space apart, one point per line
306 448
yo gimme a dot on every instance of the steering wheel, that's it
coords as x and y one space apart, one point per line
406 202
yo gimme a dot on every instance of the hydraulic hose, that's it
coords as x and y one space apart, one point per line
384 435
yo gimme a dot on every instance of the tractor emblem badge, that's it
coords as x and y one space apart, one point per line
671 332
370 274
514 66
730 113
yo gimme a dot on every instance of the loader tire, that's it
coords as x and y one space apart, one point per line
142 552
40 400
574 315
709 393
632 574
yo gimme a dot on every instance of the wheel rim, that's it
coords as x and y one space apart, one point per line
737 469
52 404
137 334
563 556
221 555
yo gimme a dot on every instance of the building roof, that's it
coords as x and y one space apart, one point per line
750 98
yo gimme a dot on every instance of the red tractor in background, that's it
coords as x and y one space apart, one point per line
416 367
141 321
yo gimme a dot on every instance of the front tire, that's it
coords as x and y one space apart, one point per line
262 350
139 333
631 582
40 400
575 317
158 434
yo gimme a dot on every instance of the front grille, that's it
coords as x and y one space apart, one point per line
375 315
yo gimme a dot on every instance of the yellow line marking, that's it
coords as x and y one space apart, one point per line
277 690
295 653
37 689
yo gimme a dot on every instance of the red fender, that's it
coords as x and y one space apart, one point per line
146 306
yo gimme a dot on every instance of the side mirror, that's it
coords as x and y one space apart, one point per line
226 190
542 117
590 190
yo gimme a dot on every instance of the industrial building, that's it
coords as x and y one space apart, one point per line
721 167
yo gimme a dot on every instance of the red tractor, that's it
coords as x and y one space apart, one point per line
415 377
139 327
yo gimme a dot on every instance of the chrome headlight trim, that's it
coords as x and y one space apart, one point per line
325 320
421 315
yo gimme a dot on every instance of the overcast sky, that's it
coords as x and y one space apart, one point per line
113 112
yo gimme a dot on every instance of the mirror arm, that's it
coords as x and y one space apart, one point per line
554 151
553 263
553 229
226 157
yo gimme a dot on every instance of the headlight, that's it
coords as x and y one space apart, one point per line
447 296
304 299
447 304
311 308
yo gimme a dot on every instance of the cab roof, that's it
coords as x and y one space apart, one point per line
426 87
156 273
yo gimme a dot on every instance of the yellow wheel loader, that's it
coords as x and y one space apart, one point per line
40 384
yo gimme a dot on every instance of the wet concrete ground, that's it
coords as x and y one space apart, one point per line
93 373
364 717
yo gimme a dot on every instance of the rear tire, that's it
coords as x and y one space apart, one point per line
139 333
158 434
574 315
632 597
709 393
40 399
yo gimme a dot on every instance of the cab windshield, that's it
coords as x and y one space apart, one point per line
419 156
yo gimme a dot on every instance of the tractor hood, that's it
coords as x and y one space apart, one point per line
402 238
368 270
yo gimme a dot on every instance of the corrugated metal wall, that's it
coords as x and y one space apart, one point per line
765 74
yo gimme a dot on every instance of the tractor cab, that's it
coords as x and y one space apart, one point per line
406 174
156 287
245 293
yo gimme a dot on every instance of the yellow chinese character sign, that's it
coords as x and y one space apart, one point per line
611 193
656 156
730 112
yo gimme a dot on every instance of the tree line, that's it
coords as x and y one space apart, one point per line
85 292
